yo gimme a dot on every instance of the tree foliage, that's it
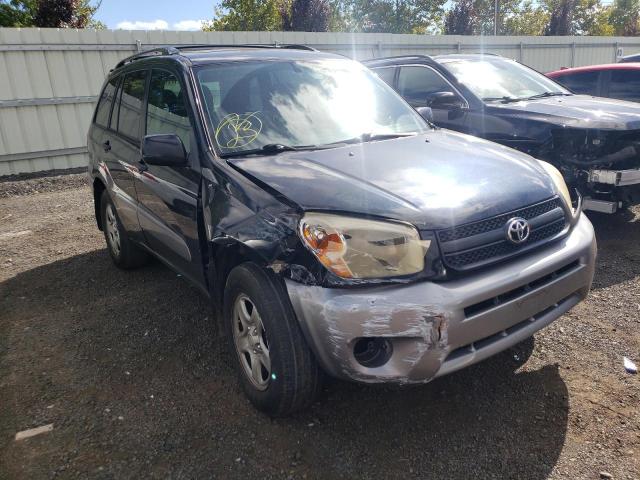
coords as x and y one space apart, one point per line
460 17
459 20
306 15
17 13
246 15
49 13
529 19
545 17
624 17
561 18
395 16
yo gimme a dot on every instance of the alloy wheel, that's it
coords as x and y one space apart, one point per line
113 233
251 342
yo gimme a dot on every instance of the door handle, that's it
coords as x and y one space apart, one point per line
107 146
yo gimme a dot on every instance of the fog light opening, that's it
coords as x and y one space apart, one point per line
372 352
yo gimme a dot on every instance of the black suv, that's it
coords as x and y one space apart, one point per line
334 229
595 142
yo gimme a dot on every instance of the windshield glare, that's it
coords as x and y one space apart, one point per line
299 104
497 78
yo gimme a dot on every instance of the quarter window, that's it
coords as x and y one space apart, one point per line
418 84
585 83
386 74
106 101
167 110
130 106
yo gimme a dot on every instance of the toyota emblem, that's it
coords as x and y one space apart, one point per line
517 230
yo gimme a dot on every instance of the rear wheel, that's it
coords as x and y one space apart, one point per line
277 369
124 253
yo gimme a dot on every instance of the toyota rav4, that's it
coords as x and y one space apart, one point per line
335 230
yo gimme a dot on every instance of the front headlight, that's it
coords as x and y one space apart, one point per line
558 180
360 248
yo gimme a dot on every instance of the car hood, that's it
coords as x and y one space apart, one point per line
433 180
580 111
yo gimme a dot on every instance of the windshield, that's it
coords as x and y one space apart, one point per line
300 104
501 79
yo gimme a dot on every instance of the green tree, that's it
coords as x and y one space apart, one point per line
394 16
561 17
527 19
17 13
245 15
49 13
624 17
306 15
459 20
577 17
591 18
485 15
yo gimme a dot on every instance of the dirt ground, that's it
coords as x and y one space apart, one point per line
129 369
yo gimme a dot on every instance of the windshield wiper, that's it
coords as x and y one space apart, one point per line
268 149
370 137
505 99
545 95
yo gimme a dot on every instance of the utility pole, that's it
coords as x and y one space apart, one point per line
495 18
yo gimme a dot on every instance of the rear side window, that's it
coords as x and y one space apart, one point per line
131 102
386 74
585 83
106 101
167 111
418 84
625 85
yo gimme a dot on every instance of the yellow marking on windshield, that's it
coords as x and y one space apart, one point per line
238 130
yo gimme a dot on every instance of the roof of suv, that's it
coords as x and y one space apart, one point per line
200 54
399 60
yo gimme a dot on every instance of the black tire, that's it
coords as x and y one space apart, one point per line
126 254
295 378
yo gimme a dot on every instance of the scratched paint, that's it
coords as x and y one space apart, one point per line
419 333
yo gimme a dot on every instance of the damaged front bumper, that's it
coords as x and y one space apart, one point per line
618 178
438 328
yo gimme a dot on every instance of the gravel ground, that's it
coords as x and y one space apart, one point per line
129 369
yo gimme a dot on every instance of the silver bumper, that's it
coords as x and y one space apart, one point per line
438 328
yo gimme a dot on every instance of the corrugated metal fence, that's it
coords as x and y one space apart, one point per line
49 78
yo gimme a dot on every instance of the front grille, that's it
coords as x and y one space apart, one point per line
493 223
479 243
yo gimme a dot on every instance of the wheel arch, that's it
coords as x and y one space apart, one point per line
226 254
98 188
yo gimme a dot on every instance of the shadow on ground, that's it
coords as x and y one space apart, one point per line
128 367
618 261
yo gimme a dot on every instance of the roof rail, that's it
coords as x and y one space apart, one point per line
168 50
245 45
394 57
176 49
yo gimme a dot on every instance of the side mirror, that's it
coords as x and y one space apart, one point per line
443 100
426 113
164 149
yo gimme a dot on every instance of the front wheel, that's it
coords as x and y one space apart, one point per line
277 370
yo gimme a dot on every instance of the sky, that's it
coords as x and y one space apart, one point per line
155 14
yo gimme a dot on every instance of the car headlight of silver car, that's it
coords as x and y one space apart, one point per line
361 248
